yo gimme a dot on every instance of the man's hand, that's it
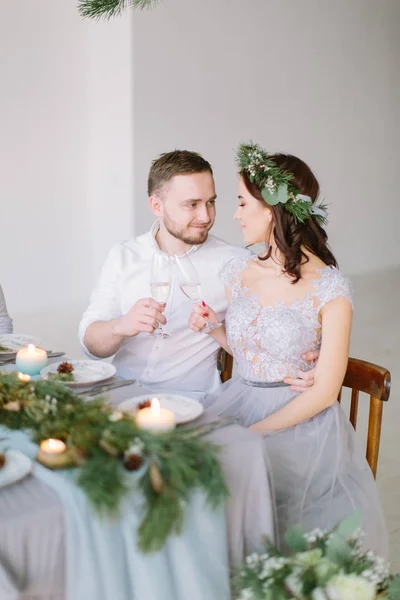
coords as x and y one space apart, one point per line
143 317
304 379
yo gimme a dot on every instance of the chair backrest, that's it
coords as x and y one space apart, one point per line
361 376
225 365
373 380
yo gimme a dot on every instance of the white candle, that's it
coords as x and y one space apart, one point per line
155 418
23 377
54 454
31 360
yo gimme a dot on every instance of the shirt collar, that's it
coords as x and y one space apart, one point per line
153 232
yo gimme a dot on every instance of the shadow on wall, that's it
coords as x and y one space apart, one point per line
55 329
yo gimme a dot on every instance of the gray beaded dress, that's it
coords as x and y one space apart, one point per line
318 470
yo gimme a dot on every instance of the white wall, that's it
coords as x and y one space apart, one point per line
83 111
315 78
66 155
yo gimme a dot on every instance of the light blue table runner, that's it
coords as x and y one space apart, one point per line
102 559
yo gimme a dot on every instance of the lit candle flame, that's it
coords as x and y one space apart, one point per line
24 377
53 444
155 407
31 349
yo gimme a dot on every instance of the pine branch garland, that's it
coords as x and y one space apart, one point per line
107 9
174 464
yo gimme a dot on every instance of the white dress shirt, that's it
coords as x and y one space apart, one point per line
187 359
6 324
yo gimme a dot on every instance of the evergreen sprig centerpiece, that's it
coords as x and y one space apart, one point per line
321 566
99 9
105 445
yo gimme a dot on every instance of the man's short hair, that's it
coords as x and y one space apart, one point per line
178 162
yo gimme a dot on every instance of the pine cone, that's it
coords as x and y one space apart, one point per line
2 460
144 404
65 367
133 462
156 480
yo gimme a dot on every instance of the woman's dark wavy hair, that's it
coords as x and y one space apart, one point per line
291 236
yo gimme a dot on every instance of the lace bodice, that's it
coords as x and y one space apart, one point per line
267 341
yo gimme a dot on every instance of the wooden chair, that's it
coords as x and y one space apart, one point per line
361 376
373 380
225 365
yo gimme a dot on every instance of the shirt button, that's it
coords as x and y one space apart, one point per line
157 347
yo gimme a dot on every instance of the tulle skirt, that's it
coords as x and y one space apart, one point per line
318 470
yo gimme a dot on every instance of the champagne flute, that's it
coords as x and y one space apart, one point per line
160 285
189 282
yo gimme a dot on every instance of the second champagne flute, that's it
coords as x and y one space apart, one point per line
160 285
189 282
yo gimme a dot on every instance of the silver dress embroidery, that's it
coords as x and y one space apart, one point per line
268 341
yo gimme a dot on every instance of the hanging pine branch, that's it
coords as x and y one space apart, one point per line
99 9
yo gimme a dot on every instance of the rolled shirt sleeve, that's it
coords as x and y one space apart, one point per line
105 301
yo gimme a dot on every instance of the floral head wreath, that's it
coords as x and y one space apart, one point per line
275 184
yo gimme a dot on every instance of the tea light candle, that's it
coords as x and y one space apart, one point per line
23 377
155 418
31 360
53 454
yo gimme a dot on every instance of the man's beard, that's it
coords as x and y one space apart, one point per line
184 236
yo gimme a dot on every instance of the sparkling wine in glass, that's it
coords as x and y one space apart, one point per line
160 284
189 282
160 291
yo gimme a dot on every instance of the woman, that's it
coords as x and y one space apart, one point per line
283 303
6 325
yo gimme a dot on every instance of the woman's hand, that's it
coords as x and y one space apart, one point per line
201 315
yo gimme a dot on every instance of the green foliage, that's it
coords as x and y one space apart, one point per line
295 539
315 560
185 461
98 9
97 477
393 592
61 376
276 184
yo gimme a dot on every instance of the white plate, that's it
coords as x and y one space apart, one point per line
17 467
85 372
15 341
184 409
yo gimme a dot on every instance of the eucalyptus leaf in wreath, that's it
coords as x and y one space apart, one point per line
278 197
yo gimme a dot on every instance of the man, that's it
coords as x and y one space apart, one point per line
122 316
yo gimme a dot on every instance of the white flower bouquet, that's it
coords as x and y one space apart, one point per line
321 566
